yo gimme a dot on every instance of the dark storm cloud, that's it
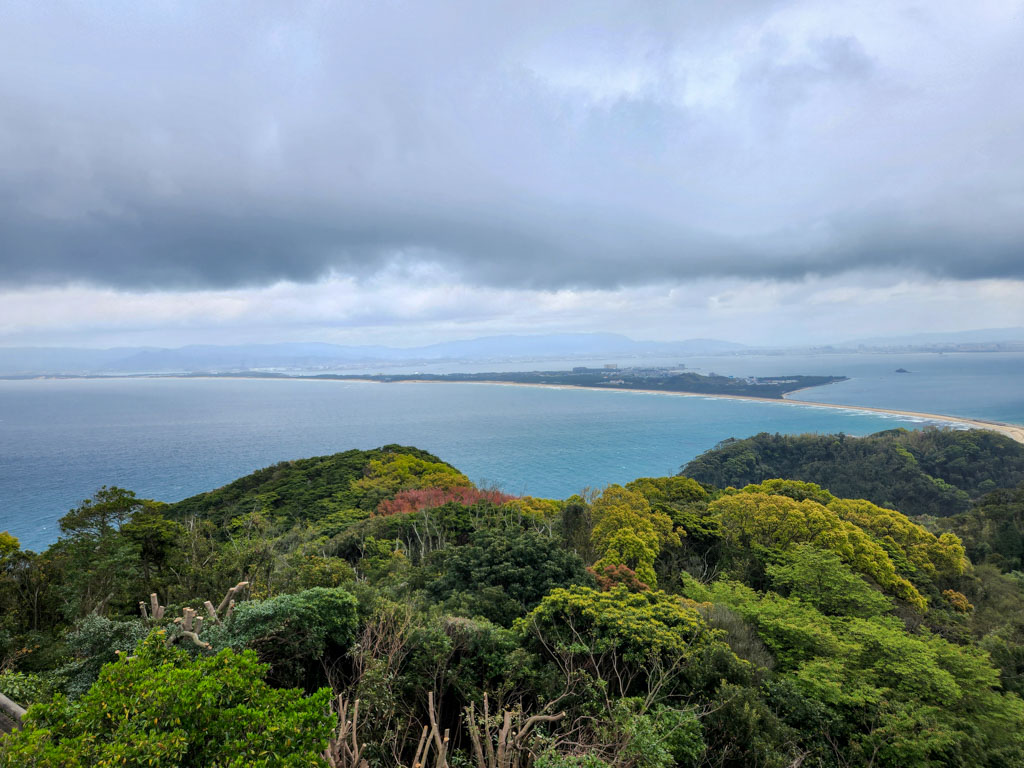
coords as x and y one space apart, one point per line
148 145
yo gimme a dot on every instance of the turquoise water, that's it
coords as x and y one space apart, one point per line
986 385
171 438
973 385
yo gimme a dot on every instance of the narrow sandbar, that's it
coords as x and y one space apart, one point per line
1013 431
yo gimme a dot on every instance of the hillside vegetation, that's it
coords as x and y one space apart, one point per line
376 607
306 489
925 472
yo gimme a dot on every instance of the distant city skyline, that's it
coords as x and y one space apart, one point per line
770 173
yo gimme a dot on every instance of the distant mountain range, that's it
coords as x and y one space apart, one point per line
26 361
527 349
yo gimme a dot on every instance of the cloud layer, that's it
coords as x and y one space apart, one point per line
534 146
422 305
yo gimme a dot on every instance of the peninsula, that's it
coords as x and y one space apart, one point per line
615 378
669 381
686 383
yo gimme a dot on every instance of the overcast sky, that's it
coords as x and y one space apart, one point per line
400 173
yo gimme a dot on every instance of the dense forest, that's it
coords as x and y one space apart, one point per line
925 472
376 608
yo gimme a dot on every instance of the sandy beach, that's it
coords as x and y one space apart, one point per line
1013 431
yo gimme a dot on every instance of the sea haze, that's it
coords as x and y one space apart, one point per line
167 439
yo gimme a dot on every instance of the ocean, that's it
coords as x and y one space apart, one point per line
60 440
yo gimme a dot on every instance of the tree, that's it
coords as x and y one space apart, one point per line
100 566
993 530
895 699
93 642
649 644
156 538
291 632
757 522
930 471
101 515
10 620
162 708
396 472
820 578
628 532
676 491
501 574
939 557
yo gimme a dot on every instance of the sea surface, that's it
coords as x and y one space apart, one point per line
981 385
60 440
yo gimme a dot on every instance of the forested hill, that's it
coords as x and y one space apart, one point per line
925 472
374 609
300 490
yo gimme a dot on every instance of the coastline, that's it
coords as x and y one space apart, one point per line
1013 431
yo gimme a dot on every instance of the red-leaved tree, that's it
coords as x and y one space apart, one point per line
427 498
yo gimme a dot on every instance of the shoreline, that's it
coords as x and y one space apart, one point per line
1013 431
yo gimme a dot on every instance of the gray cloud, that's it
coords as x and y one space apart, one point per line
588 145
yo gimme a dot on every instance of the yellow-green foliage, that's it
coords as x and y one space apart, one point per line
668 490
911 547
632 643
627 532
401 472
165 709
628 547
777 522
795 489
533 509
929 702
642 626
942 556
8 544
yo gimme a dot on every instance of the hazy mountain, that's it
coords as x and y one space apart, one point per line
314 356
24 360
568 345
301 356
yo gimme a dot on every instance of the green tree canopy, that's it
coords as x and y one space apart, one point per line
162 708
629 640
292 631
908 700
628 532
932 471
502 573
757 521
821 578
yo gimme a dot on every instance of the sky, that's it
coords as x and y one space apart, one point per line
407 172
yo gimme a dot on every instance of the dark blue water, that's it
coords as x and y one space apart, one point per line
171 438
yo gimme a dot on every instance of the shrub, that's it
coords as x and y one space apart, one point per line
291 632
163 709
